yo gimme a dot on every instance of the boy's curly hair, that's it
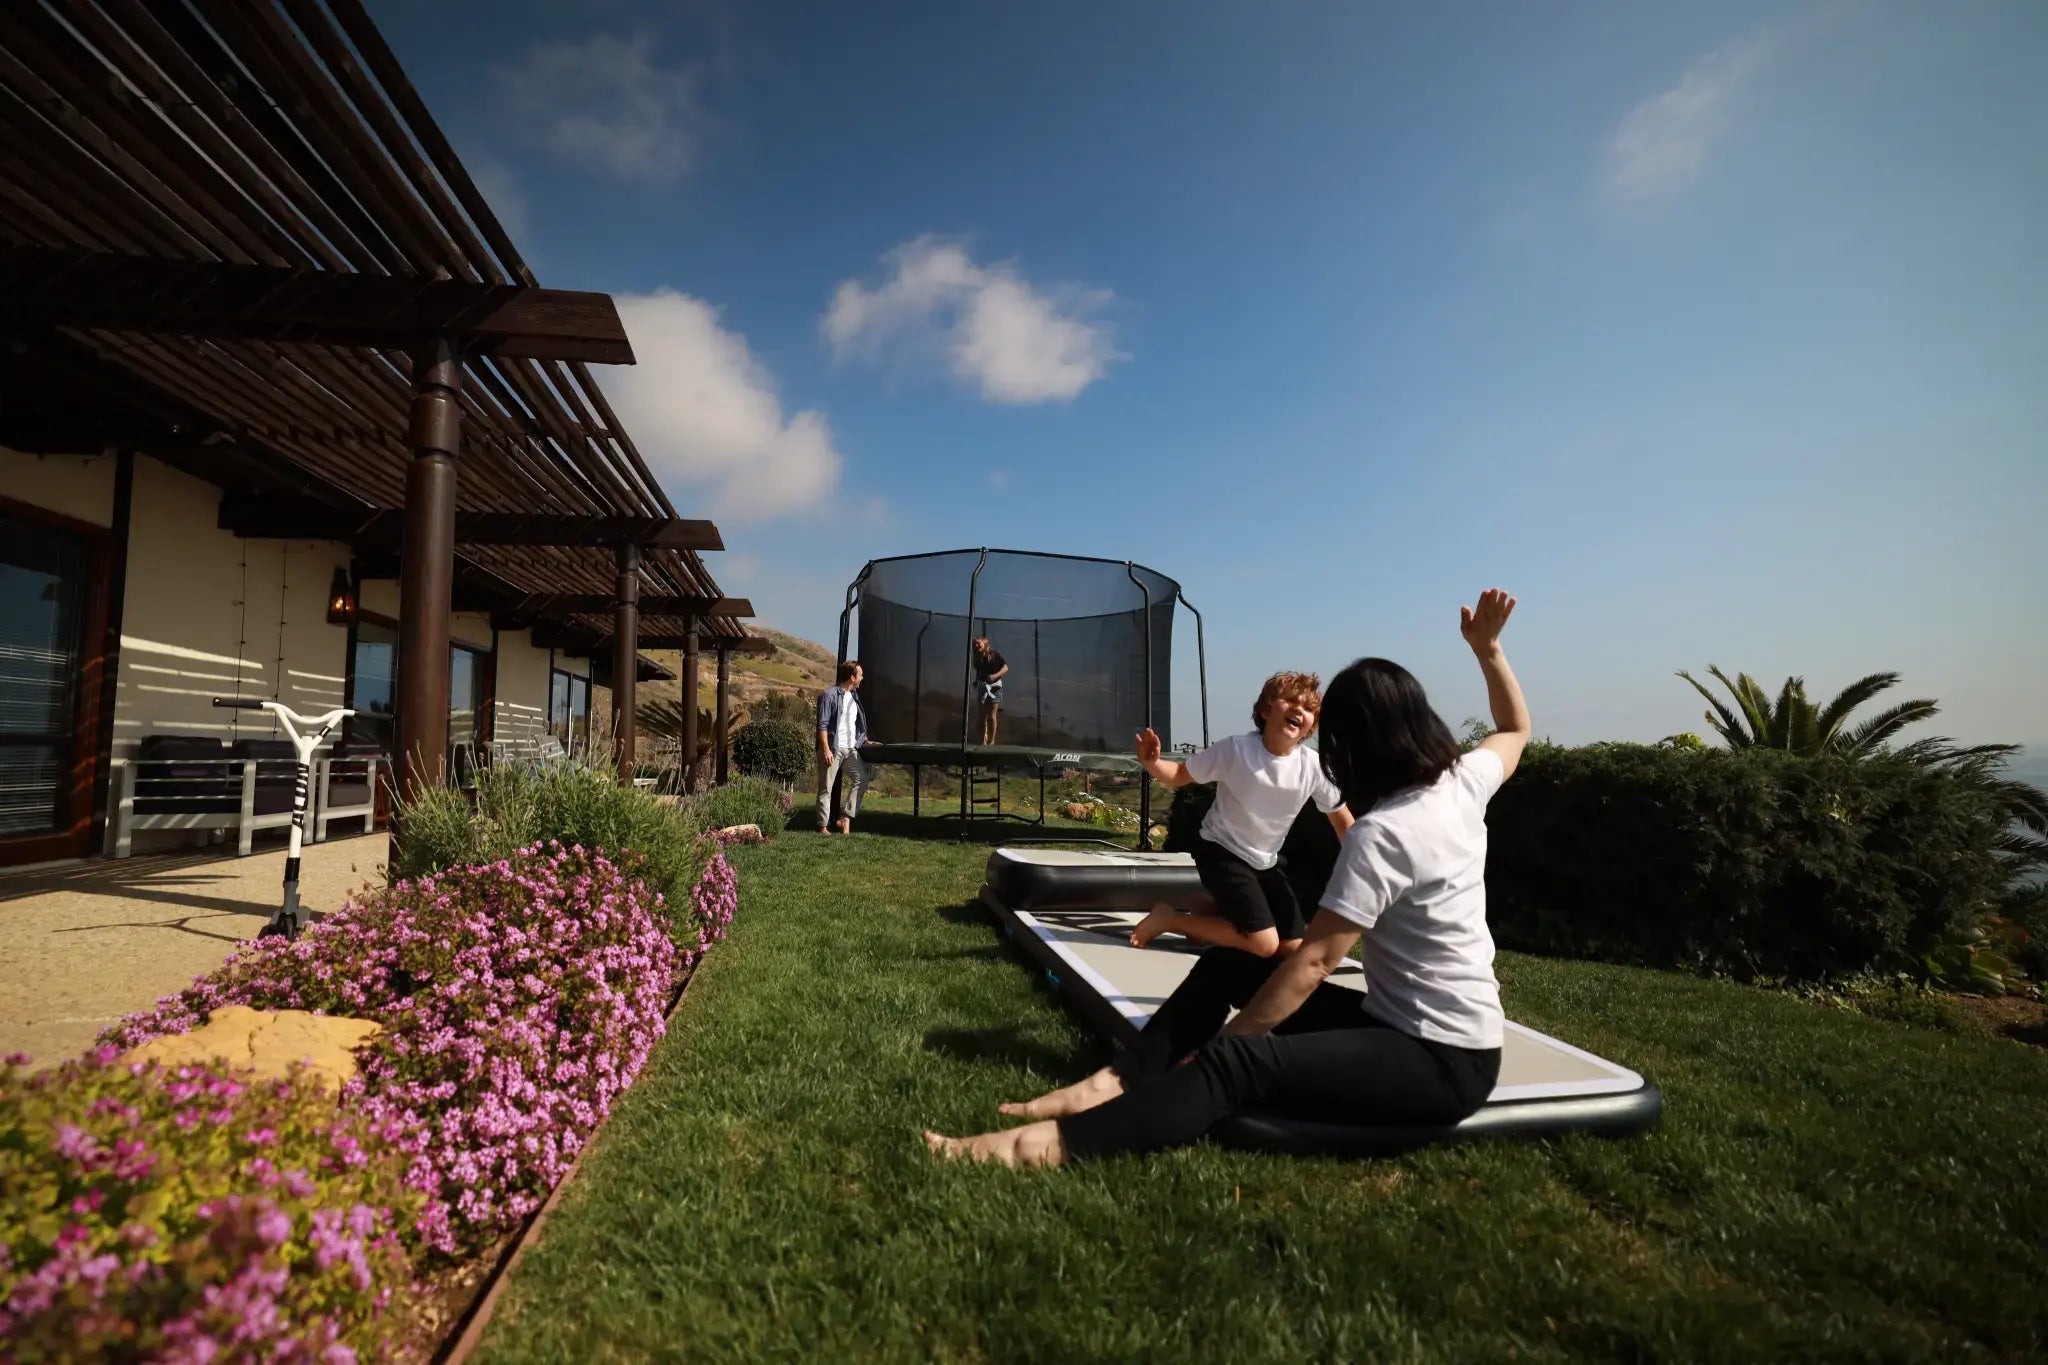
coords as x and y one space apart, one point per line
1304 688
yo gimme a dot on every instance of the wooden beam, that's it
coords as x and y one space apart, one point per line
742 645
306 519
651 604
46 289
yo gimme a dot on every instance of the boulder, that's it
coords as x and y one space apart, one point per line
266 1044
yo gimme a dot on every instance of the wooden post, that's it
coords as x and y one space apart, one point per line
626 661
427 569
724 688
690 704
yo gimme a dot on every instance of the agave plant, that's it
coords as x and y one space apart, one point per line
1793 723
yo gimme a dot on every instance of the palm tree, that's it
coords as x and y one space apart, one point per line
1793 723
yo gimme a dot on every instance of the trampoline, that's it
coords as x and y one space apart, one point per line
1072 912
1089 648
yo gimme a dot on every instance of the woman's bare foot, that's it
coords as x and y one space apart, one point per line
1162 919
1035 1144
1100 1088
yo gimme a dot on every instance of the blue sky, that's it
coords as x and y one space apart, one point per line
1713 332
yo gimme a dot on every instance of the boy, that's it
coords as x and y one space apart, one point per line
1262 779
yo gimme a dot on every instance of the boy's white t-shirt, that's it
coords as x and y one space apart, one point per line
1258 794
1412 874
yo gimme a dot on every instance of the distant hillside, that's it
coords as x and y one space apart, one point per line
797 666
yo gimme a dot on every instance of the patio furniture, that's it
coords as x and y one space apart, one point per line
195 782
345 785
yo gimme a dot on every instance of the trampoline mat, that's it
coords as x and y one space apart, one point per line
1546 1085
998 755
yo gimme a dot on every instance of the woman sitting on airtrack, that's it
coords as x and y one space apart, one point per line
1423 1045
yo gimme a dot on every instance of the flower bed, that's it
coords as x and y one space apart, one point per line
185 1215
517 1000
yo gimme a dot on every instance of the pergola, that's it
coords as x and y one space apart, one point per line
234 236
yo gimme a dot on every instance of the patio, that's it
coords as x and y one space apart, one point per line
84 944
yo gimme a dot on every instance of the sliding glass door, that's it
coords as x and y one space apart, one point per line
46 749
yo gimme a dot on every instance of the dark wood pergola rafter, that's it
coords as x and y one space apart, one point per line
245 212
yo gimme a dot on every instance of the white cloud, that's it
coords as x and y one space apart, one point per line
607 104
1016 343
1662 145
705 413
500 188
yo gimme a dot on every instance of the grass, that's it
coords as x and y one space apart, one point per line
1826 1186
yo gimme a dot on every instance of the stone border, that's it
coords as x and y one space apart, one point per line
466 1333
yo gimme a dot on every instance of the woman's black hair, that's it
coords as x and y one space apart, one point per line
1379 734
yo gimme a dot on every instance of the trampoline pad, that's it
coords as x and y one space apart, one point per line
1546 1085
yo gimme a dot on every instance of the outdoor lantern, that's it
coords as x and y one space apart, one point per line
341 599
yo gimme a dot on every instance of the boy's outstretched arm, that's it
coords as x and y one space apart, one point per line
1341 821
1164 771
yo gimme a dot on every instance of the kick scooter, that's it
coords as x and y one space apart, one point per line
306 734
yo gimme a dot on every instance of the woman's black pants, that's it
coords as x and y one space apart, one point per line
1330 1061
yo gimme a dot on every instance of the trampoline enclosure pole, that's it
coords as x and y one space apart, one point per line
1145 781
917 686
967 680
1201 665
846 613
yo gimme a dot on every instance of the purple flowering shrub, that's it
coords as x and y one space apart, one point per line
188 1215
517 998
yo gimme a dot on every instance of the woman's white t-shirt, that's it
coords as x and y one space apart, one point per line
1412 874
1258 794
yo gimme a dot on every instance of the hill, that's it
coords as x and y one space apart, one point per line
798 667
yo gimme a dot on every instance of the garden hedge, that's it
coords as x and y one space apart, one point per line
779 750
1753 864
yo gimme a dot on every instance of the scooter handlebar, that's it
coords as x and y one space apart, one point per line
238 703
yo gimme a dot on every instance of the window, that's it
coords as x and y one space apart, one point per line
374 673
465 693
43 580
569 710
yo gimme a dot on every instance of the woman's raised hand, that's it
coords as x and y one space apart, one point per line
1481 626
1148 746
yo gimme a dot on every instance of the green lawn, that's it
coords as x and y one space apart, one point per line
1826 1186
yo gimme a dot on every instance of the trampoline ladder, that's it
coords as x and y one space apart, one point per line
979 783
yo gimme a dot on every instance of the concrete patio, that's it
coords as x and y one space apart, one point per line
83 945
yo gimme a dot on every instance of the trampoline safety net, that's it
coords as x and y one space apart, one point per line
1074 633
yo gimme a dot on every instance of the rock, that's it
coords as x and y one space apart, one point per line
265 1043
741 834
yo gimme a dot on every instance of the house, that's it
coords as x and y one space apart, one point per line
284 414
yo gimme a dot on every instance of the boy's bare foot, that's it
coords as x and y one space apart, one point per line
1100 1088
845 826
1035 1144
1160 920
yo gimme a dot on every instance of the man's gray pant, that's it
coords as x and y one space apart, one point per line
857 784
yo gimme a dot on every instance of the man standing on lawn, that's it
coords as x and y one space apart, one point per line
842 733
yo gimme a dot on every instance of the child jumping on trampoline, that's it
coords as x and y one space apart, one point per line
1262 780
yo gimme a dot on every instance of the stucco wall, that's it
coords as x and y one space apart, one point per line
380 595
522 695
76 486
208 614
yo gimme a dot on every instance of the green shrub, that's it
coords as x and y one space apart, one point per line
518 806
147 1214
744 801
1752 863
781 751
